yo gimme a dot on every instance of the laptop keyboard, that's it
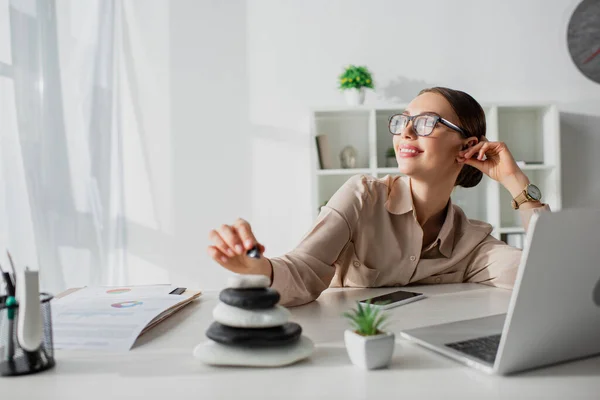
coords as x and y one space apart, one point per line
485 348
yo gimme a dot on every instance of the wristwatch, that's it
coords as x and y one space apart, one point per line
530 193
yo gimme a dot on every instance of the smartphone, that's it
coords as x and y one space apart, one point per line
394 299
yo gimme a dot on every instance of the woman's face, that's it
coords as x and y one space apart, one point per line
433 157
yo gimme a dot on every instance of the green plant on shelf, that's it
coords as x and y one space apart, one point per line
367 319
355 77
390 153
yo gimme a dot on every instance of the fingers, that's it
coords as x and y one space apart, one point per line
245 233
232 238
480 165
217 255
470 151
483 150
220 243
480 149
224 261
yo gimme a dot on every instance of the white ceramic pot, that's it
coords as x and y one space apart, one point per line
370 352
354 97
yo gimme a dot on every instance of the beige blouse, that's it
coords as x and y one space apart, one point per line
368 236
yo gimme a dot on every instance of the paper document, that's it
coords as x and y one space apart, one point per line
111 318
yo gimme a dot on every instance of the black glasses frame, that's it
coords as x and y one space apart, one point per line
437 119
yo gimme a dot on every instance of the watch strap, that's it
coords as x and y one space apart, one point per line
520 199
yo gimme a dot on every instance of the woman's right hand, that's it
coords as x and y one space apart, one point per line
229 246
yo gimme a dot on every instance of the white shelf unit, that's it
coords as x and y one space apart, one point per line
531 132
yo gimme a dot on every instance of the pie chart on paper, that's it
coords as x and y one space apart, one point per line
127 304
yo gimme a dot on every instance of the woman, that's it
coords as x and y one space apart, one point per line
396 231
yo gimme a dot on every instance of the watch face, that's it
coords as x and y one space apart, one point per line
534 192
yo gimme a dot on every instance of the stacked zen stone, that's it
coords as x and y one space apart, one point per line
250 329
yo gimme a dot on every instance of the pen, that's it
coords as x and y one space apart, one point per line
253 252
8 281
10 289
11 302
12 266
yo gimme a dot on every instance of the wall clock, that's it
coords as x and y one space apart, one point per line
583 38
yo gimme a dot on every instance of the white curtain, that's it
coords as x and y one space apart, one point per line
61 143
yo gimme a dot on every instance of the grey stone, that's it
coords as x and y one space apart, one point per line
262 337
250 299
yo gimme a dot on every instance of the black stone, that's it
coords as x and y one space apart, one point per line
254 337
250 299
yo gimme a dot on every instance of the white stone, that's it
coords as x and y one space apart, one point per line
240 318
241 281
214 353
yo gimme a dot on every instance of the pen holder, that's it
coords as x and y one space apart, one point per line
15 360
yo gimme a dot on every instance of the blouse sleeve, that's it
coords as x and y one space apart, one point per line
302 274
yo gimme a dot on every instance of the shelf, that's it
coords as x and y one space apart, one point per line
344 128
531 132
343 171
514 229
362 107
356 171
528 132
536 167
391 170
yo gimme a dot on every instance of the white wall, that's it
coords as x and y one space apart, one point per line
209 108
243 75
187 156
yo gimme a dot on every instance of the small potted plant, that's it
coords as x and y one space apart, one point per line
368 346
390 158
353 82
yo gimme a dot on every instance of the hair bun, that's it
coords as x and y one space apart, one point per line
469 177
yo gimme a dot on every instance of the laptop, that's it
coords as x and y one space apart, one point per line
554 310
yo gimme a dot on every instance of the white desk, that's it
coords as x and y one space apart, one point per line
161 366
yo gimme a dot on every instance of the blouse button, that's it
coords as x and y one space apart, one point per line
356 264
413 258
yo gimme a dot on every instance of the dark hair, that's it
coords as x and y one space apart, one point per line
471 119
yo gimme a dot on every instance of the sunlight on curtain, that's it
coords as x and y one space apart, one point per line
85 145
61 144
5 57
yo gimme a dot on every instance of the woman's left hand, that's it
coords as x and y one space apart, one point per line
498 164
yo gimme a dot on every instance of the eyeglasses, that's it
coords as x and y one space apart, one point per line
423 124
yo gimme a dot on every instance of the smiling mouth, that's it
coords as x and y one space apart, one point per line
408 152
412 151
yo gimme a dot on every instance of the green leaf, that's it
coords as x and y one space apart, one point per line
367 319
355 77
